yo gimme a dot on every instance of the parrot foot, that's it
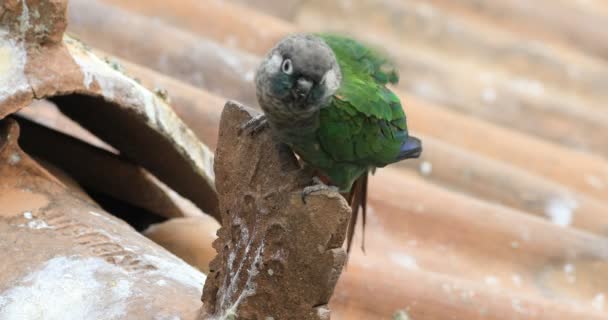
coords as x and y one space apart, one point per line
317 187
255 125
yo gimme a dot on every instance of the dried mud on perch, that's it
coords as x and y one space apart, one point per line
278 258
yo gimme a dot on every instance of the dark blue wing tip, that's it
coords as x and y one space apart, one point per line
411 148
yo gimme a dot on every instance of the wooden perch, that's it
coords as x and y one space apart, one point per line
278 258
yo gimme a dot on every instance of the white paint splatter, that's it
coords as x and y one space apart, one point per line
406 261
24 18
35 224
598 302
248 288
488 95
13 58
14 158
231 258
492 281
426 89
426 168
68 288
569 270
561 211
401 315
111 82
38 224
122 288
165 317
173 268
249 76
527 86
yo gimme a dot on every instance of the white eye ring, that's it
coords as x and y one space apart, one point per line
287 66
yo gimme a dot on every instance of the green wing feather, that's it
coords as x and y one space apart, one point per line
365 123
364 59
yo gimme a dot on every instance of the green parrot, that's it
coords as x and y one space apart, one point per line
325 96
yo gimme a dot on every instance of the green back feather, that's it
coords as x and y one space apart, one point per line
364 125
362 58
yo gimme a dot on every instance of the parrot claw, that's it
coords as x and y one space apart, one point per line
255 125
317 187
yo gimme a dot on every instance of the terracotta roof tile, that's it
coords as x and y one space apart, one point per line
503 217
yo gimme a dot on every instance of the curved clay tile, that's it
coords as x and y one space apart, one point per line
43 63
502 182
432 252
566 21
66 258
172 51
112 175
176 236
219 20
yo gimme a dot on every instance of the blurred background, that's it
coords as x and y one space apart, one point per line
505 215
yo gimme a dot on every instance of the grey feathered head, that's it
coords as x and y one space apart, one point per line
297 76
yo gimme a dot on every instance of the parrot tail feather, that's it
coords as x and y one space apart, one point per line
357 198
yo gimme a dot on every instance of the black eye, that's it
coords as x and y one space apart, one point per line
287 66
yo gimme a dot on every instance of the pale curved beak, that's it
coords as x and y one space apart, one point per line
303 87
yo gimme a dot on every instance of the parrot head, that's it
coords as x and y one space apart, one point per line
297 77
